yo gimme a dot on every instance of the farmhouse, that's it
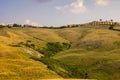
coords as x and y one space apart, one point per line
100 22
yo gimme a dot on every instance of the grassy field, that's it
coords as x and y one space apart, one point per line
15 62
93 53
96 53
98 65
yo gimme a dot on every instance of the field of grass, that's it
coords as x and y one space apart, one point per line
97 54
44 34
93 53
117 27
104 65
15 62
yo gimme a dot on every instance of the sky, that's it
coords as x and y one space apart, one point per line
57 12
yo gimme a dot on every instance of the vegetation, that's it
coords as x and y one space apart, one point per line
53 48
76 52
16 65
113 27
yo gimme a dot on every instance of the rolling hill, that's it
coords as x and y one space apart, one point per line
81 52
15 62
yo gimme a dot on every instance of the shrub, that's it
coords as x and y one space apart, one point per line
15 45
53 48
111 27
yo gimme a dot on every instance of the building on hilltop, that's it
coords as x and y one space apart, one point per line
101 22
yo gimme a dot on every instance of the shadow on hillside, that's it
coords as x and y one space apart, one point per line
116 29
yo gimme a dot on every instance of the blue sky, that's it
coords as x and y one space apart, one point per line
57 12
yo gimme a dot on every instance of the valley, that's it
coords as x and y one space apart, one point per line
43 53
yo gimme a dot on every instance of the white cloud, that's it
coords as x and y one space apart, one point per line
102 2
75 7
35 24
2 24
29 22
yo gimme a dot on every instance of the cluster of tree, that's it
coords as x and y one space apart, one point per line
17 25
29 43
112 27
31 26
53 48
48 51
61 27
11 25
2 26
71 71
63 69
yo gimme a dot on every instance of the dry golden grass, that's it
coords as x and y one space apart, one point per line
99 34
45 35
15 64
68 79
13 38
69 34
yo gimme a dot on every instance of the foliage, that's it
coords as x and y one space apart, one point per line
66 71
2 26
53 48
111 27
63 69
17 25
15 45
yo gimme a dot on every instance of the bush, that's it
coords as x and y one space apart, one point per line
53 48
56 66
15 45
111 27
64 70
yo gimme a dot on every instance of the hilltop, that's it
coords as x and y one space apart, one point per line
69 52
99 23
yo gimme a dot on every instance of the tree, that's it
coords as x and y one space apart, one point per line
111 20
100 20
53 48
1 26
112 26
16 25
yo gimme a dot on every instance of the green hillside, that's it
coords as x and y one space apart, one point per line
41 53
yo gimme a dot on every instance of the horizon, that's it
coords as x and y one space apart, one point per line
57 12
100 20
